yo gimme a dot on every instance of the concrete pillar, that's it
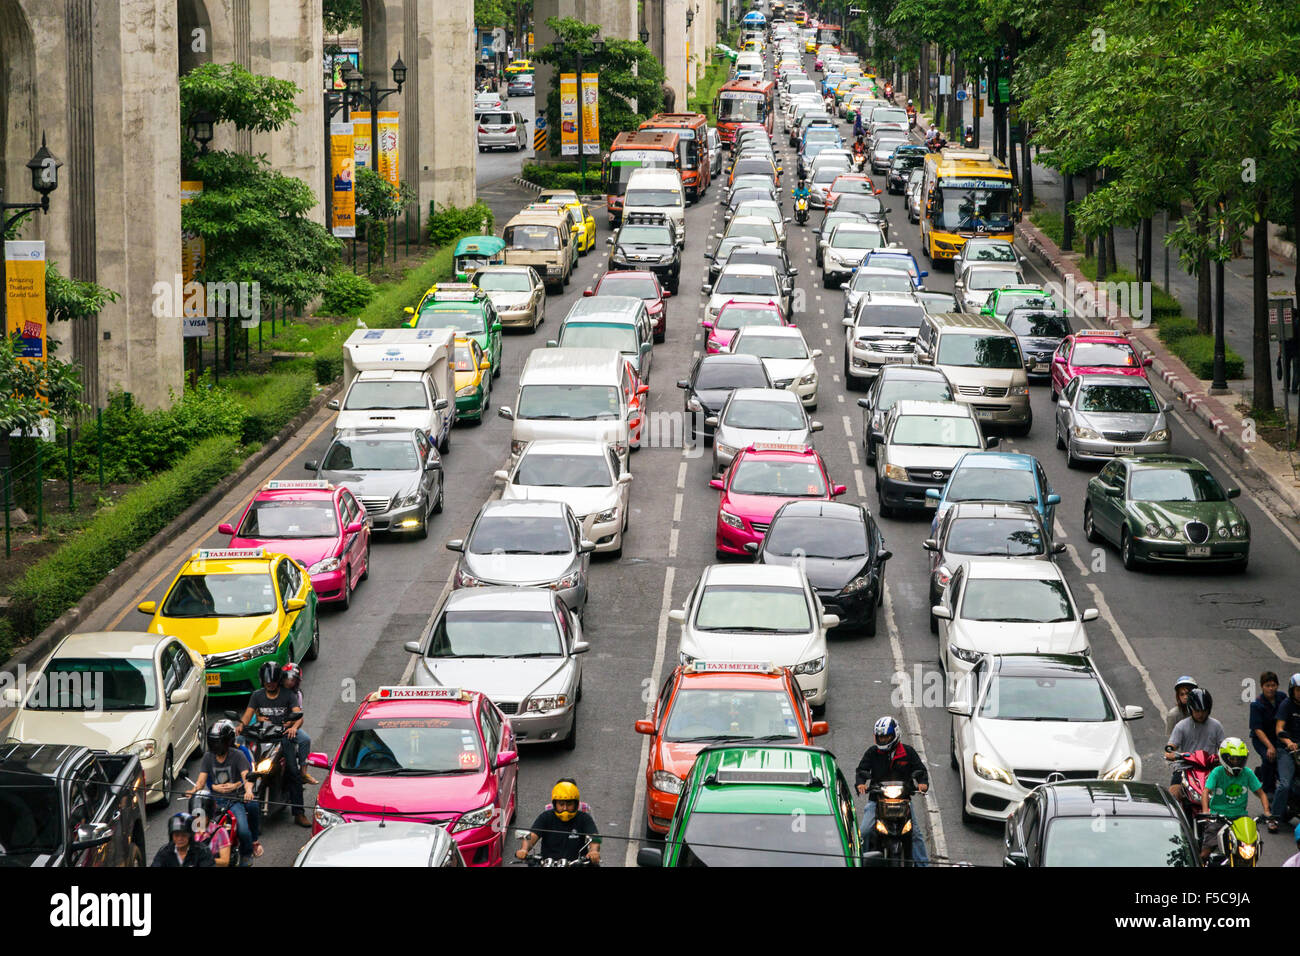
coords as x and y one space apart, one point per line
673 56
654 23
618 20
444 85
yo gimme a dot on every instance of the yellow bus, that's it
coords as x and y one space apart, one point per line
965 193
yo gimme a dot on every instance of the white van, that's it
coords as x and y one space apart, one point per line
399 378
658 191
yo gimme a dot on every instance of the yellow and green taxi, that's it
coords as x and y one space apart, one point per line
582 222
239 608
464 307
737 802
473 379
519 66
810 44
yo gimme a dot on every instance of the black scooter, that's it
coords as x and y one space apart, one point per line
269 775
890 841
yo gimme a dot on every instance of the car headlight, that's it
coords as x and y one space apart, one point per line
1160 434
570 580
809 379
731 520
1170 531
896 472
260 650
1152 529
606 516
1121 771
991 771
619 448
144 749
1018 390
517 446
553 702
467 390
814 666
723 449
964 654
857 584
1223 531
1086 433
321 567
466 580
475 818
666 782
408 501
1239 531
326 818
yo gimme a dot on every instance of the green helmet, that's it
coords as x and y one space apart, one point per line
1233 754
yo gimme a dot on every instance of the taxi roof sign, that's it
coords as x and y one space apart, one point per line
224 554
1109 333
304 484
733 667
797 778
419 693
780 446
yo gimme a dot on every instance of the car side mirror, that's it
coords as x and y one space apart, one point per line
501 475
507 757
1146 363
225 528
992 441
645 727
830 620
456 544
816 353
717 485
1091 614
1115 491
942 612
147 607
355 527
588 292
1016 858
677 615
440 404
319 760
934 494
1053 499
332 404
1058 548
930 544
586 546
848 324
683 383
412 647
179 696
651 856
92 835
552 344
609 240
959 708
294 604
581 647
1132 712
837 490
862 402
506 412
643 389
1233 492
793 272
484 365
706 288
311 466
625 479
711 421
815 426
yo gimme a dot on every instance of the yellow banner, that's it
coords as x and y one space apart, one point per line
194 322
389 166
591 114
568 114
25 295
361 139
343 223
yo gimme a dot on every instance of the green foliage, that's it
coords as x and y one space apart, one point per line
346 293
341 15
269 402
559 176
31 390
447 223
715 74
235 95
67 298
375 195
1197 353
56 583
1050 223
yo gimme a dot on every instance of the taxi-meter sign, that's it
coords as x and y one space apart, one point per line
228 554
304 484
418 693
732 667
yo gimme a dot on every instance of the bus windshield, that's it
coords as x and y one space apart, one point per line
622 163
738 107
973 209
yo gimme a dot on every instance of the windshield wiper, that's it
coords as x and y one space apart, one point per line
533 654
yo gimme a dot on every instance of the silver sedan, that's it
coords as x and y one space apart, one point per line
758 415
502 130
1100 417
516 292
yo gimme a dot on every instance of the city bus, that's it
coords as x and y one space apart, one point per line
965 193
743 101
642 149
691 129
828 33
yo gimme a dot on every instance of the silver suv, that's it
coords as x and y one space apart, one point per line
881 332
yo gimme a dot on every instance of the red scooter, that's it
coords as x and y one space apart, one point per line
1201 763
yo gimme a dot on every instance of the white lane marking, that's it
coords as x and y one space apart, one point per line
681 476
841 399
661 639
1271 641
677 507
940 843
672 543
826 325
409 671
848 426
1059 528
862 485
853 453
1078 563
819 297
1152 693
835 375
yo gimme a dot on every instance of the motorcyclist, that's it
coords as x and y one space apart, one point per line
1227 791
183 850
224 770
970 135
911 113
562 827
1294 859
1263 733
1177 712
1288 735
891 759
274 705
207 831
1200 731
857 124
291 680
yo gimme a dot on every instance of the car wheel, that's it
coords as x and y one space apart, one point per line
444 446
423 533
313 649
168 779
617 552
365 571
934 623
819 710
1055 398
952 748
1089 526
437 505
1060 442
1023 430
345 601
570 742
966 818
1070 460
871 451
869 625
885 510
1126 551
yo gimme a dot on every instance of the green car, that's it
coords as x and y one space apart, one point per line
1166 509
1002 301
467 309
761 805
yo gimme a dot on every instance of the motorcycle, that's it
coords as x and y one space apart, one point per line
969 139
911 116
859 161
533 859
889 91
801 210
1238 843
890 842
269 776
1201 763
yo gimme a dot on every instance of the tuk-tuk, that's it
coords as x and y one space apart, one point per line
475 252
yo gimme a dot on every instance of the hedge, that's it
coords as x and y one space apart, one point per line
271 401
1196 349
58 582
448 223
559 176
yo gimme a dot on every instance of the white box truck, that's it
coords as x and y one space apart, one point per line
399 378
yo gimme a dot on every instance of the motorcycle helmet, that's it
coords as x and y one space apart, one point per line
1188 682
180 823
1297 834
909 102
565 789
290 676
203 807
1292 684
221 737
1199 699
887 728
270 673
1233 755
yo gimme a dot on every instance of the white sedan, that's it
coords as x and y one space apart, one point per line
785 353
1022 720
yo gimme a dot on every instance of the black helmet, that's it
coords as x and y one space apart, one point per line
180 823
270 673
203 806
1198 698
221 735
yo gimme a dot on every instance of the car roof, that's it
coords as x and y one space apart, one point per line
111 644
781 395
992 509
913 371
376 434
1020 569
760 575
733 779
830 510
1030 665
748 268
1079 798
502 598
997 459
913 406
610 308
729 358
772 331
564 446
1123 381
530 508
1166 461
572 366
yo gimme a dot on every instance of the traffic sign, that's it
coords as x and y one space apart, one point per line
541 121
539 140
961 95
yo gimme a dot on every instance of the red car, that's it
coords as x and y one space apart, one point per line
760 480
706 700
854 184
321 526
734 316
1094 352
438 755
638 403
639 285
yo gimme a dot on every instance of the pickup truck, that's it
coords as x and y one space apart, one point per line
62 805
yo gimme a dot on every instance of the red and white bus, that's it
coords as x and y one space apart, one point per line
639 149
744 101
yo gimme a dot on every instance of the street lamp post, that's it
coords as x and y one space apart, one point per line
45 179
598 47
200 127
1220 384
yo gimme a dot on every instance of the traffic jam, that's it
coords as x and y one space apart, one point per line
1038 510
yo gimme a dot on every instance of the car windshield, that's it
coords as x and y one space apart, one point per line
1118 399
95 684
653 197
496 633
827 175
532 237
755 413
988 279
760 207
906 161
748 607
1016 601
758 256
891 316
410 746
221 595
888 116
735 317
387 396
703 715
1103 355
1049 325
732 108
995 537
724 375
857 239
992 484
885 146
743 283
523 534
593 335
1007 301
947 430
985 250
464 359
761 839
637 287
980 351
852 187
30 816
762 230
755 165
770 346
881 282
503 282
1049 696
571 402
547 470
891 262
922 390
646 235
290 519
1102 840
784 479
1168 484
814 537
496 119
358 454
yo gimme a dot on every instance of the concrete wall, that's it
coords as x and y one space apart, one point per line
448 158
673 56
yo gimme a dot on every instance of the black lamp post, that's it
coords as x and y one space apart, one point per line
200 127
644 35
598 47
45 179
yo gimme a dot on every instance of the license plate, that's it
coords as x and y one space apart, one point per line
213 680
1198 550
1041 366
983 414
931 502
893 360
1122 451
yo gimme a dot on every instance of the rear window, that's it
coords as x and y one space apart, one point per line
496 119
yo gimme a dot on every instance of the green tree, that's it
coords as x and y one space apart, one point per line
32 390
341 15
376 204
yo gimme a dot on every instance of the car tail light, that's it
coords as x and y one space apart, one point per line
482 129
512 129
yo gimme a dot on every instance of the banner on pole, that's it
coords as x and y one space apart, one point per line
361 146
591 114
389 166
25 295
194 320
342 159
568 114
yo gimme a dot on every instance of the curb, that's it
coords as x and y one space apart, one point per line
1171 370
520 181
66 622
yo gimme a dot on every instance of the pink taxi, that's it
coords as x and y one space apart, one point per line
736 315
760 480
438 755
320 525
1094 352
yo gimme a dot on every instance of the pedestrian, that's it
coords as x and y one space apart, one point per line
1263 729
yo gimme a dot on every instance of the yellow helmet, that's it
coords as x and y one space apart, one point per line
565 790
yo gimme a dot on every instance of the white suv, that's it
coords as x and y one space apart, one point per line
881 332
